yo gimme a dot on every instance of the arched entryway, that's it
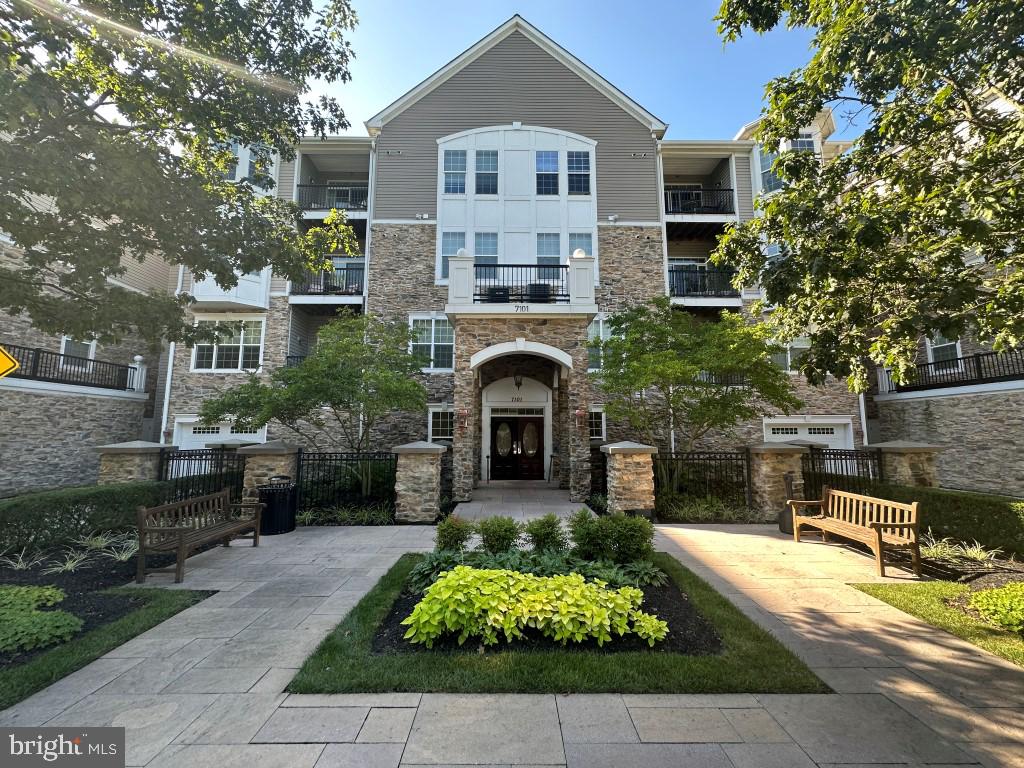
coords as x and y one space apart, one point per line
516 430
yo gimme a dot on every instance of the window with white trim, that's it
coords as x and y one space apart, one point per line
577 166
785 431
434 341
200 429
451 242
73 348
455 171
547 172
549 254
596 424
821 430
598 332
583 241
789 359
237 430
485 251
770 181
240 349
803 143
440 423
486 172
945 353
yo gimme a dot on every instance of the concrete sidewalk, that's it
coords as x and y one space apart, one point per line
205 687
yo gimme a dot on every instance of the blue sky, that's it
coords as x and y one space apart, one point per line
666 55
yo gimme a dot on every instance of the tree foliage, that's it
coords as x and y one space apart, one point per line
663 368
116 119
360 371
918 229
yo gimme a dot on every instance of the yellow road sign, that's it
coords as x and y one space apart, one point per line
7 363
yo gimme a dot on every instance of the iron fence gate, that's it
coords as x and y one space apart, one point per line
332 479
200 471
703 474
845 470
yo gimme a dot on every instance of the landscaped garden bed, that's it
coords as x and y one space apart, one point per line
604 614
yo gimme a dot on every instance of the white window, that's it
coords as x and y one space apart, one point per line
803 143
487 171
945 353
434 341
239 349
789 358
597 333
200 429
549 254
237 430
596 423
785 431
583 241
77 349
821 430
440 423
455 171
769 180
577 166
485 251
547 172
451 242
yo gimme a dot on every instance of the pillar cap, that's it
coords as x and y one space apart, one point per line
133 446
906 446
777 448
420 446
274 447
627 447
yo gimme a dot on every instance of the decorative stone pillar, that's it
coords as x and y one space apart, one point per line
630 477
908 463
265 460
770 463
130 462
418 482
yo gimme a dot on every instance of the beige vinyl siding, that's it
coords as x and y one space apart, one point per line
744 187
147 275
689 249
286 178
516 81
278 284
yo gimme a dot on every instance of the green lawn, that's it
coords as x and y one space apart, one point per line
19 682
927 601
752 660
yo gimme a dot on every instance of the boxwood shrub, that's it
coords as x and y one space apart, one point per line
994 521
50 518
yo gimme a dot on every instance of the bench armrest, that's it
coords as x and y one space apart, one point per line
803 503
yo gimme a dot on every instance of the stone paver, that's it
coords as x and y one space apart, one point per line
206 687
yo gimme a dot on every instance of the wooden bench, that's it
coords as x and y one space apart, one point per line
879 523
182 526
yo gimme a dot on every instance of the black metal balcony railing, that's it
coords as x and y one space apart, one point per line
290 361
521 284
687 200
41 365
711 283
724 379
323 197
343 281
981 368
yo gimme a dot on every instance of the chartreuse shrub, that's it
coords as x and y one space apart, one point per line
491 604
619 538
1003 606
499 534
23 627
546 534
453 533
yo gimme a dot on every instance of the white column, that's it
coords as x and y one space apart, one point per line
139 384
460 278
581 278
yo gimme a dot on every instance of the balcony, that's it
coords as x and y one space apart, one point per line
982 368
342 285
688 282
516 289
41 365
324 197
252 291
685 200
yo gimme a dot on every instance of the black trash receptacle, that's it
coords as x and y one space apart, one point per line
281 500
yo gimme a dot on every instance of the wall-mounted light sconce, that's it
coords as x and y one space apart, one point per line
613 217
463 418
580 413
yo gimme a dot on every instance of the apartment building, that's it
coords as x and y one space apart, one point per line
504 208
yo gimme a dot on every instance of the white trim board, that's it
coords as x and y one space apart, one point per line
965 391
53 388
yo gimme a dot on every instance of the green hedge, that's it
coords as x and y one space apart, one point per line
994 521
51 518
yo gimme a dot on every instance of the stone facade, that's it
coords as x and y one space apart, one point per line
265 461
49 437
631 266
769 465
630 477
906 463
129 462
980 434
418 482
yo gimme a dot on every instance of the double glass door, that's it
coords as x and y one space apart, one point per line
517 448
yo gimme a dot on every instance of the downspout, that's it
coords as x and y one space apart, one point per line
863 418
370 193
170 365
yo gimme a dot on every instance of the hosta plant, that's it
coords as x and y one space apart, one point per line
492 605
1003 606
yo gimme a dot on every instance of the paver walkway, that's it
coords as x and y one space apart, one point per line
517 499
205 687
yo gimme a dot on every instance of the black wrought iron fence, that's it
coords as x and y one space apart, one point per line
721 474
681 199
856 471
691 281
200 471
333 479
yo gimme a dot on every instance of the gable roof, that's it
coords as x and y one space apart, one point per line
516 24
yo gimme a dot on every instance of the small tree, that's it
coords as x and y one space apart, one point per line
360 371
664 369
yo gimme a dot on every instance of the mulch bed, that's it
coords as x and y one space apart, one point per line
689 633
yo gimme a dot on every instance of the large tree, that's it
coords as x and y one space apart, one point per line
664 369
918 228
116 119
360 371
